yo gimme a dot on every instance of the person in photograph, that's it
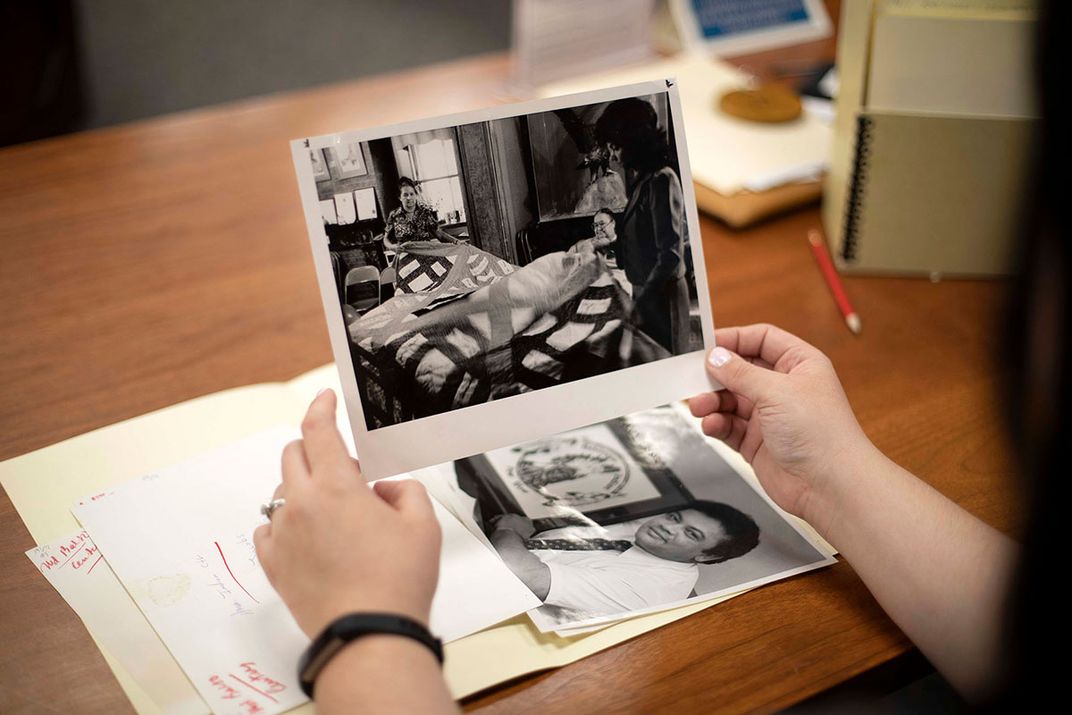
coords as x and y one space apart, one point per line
651 241
604 235
413 220
592 571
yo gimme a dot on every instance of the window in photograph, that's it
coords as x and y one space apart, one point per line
432 159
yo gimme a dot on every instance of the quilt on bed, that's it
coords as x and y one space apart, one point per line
469 327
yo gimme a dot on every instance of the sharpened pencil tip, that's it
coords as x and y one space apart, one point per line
853 321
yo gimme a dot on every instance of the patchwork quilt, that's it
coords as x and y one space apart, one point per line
468 327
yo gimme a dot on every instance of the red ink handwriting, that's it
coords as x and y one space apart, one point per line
226 691
50 563
67 551
86 556
96 497
249 669
254 688
224 559
74 543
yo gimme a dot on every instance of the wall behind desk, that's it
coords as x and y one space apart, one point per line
142 58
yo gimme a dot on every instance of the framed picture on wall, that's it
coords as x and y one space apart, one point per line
347 160
320 167
573 175
603 471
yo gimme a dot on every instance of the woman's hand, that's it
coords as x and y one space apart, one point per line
940 573
785 411
338 546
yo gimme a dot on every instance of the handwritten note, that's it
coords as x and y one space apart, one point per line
77 570
180 541
247 678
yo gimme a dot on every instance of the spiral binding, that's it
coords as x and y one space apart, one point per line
854 205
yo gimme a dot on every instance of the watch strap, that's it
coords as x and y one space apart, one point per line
351 627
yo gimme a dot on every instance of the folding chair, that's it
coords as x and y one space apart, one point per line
363 279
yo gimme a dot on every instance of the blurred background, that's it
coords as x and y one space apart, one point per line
80 64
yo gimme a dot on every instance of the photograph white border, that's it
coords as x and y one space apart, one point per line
463 432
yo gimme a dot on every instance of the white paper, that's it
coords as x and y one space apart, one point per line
344 208
365 200
180 542
76 569
558 38
327 212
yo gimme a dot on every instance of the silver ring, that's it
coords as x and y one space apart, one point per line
269 508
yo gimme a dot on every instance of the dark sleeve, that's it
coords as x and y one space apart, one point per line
667 217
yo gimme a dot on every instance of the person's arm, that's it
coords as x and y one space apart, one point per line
383 674
939 572
585 245
444 236
508 538
338 547
389 237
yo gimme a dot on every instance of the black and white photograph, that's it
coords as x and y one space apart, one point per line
478 262
625 517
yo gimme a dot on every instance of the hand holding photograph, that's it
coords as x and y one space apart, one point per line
533 272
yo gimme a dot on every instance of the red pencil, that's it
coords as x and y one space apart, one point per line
818 247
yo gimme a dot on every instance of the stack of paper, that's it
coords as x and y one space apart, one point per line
593 585
165 580
178 541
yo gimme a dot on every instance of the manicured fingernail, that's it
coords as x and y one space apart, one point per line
719 357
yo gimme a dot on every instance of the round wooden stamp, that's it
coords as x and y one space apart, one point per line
769 104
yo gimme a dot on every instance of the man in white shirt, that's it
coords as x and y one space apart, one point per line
626 567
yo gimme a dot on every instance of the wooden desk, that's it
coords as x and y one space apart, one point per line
147 264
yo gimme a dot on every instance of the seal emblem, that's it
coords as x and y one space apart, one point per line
570 471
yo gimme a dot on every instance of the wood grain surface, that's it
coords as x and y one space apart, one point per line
151 263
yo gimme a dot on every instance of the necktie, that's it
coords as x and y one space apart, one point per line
579 544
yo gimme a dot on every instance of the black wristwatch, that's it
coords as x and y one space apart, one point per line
347 628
